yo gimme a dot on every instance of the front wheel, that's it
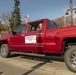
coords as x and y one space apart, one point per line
70 58
5 52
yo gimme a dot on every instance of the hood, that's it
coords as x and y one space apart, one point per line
4 37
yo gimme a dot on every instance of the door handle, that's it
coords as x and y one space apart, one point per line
40 33
22 35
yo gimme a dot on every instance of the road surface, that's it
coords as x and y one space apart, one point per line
33 65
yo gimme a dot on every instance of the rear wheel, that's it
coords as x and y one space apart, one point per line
70 58
5 52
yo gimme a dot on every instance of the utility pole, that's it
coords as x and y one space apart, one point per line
71 12
0 22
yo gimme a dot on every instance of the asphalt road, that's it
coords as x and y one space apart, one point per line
33 65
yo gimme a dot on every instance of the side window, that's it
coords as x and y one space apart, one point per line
51 25
35 26
21 29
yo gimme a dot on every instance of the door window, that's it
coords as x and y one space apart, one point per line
35 26
21 29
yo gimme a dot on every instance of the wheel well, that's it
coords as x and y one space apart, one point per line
67 43
3 42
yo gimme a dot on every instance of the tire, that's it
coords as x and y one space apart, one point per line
70 59
5 52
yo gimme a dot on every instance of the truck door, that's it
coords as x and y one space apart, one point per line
34 39
17 41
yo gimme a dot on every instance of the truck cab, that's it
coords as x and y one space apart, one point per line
32 37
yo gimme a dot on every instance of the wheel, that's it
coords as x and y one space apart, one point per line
70 58
5 52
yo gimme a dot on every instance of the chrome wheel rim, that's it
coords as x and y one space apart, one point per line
3 51
73 59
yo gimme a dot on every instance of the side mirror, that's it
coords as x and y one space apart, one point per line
14 32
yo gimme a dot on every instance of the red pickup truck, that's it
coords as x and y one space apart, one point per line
44 37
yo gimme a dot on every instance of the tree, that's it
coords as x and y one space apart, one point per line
74 21
67 21
5 17
15 21
60 21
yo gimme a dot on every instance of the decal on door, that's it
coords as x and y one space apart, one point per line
30 39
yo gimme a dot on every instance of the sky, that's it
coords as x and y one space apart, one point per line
38 9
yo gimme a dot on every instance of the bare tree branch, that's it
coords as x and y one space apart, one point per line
5 17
